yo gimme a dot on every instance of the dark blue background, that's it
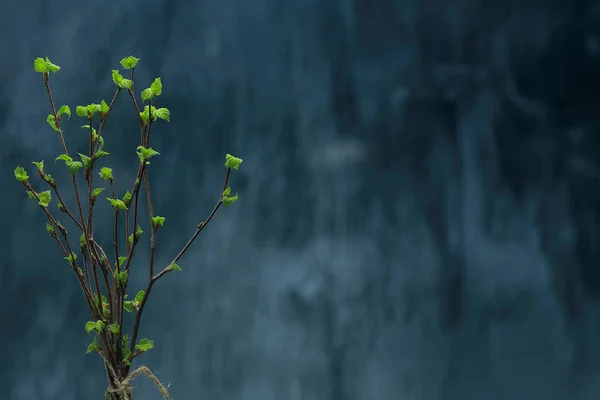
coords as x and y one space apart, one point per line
419 198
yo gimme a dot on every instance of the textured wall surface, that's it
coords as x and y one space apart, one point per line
419 200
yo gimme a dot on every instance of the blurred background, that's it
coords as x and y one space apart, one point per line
419 200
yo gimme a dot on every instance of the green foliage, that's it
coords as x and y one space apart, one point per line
44 65
174 267
227 199
94 326
87 161
96 192
106 173
145 154
71 258
117 204
128 305
158 222
103 108
51 120
127 198
94 346
64 110
162 113
121 260
114 328
73 166
144 345
21 174
39 165
94 271
232 162
155 89
129 62
120 81
138 233
45 198
139 297
122 276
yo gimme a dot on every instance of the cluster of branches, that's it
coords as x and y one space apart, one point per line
105 283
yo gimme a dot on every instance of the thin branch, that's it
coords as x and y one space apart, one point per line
153 280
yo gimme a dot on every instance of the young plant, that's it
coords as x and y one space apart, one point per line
104 278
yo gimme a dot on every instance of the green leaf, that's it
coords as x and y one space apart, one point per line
52 122
31 195
50 229
39 65
45 198
128 306
117 78
229 200
104 304
117 204
174 267
81 111
156 87
21 174
114 328
64 110
92 347
121 261
129 62
63 157
126 351
127 198
122 276
145 154
138 233
74 166
162 113
87 161
125 338
103 108
147 94
127 83
94 326
144 115
48 178
51 67
93 109
82 241
90 326
39 165
145 345
106 173
158 221
139 297
71 258
232 162
96 192
100 153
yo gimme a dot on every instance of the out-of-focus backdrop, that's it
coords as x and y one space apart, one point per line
419 199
